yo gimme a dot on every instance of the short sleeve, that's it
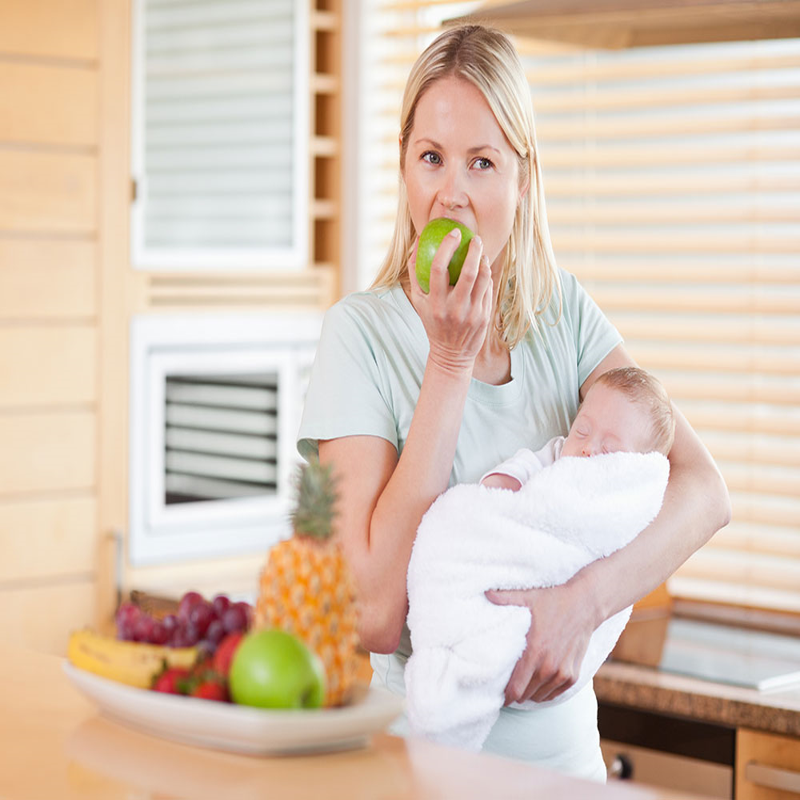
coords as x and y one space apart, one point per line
346 394
595 336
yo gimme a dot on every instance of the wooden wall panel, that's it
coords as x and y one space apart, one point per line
44 539
48 192
47 366
43 616
47 452
57 28
48 104
47 279
49 331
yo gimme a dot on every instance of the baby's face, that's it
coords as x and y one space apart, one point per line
608 422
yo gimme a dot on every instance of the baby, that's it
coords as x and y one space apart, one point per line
626 409
539 534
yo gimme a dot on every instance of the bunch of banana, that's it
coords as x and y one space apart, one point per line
133 663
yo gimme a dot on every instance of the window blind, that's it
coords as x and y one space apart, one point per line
672 177
221 436
220 133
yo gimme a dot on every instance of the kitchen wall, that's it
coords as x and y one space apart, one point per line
49 316
68 293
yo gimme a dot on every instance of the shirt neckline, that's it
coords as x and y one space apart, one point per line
485 393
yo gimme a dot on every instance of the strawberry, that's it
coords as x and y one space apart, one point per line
225 652
211 689
171 680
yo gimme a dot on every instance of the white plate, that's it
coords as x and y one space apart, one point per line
240 729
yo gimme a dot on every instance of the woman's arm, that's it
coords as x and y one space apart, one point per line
383 497
695 506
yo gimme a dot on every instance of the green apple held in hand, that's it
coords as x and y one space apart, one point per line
273 669
430 239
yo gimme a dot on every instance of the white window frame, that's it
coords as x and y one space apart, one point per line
201 259
283 343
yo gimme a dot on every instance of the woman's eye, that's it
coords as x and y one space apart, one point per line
431 158
483 163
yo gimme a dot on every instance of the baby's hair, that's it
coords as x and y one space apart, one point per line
643 388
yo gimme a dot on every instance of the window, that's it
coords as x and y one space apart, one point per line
215 405
673 183
220 134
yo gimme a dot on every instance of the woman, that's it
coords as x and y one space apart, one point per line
411 393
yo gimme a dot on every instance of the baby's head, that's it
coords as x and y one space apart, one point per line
626 409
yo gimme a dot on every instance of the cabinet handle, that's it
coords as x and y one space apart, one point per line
785 780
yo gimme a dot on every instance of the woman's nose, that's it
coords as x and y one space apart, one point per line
451 192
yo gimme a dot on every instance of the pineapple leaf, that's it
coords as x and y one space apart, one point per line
316 497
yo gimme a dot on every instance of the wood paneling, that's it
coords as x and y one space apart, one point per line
47 192
47 279
47 538
49 334
47 366
41 617
56 28
117 293
47 452
48 104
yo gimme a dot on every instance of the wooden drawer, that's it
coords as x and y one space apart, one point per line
767 766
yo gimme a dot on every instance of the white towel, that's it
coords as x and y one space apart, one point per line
474 538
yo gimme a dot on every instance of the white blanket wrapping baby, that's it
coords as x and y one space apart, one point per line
473 539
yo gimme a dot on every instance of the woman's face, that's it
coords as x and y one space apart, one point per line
460 165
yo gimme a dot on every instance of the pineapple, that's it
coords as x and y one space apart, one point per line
306 588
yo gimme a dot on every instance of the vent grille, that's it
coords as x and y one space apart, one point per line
221 437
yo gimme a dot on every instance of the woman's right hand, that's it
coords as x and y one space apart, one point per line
456 318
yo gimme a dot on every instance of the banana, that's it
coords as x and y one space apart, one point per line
133 663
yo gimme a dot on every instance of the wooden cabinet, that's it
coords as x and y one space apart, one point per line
767 766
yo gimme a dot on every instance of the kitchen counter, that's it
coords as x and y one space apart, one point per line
54 744
649 689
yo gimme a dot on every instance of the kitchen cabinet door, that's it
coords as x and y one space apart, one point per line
767 766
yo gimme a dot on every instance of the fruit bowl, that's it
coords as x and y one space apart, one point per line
240 729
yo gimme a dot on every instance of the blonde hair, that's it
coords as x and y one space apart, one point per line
643 388
486 58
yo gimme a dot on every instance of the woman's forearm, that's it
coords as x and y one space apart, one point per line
379 520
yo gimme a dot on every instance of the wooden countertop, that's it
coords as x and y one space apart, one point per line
54 744
649 689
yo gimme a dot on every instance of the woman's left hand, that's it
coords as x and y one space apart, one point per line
561 624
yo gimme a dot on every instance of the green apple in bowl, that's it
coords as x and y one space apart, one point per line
430 239
274 669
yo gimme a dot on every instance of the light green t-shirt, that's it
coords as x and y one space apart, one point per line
371 358
366 380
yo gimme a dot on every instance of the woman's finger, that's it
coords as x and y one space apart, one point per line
517 685
440 275
482 282
541 691
411 266
463 292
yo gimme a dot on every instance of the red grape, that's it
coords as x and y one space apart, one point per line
220 603
159 633
215 632
201 616
187 601
235 619
143 629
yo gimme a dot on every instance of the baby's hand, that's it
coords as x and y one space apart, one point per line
499 481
